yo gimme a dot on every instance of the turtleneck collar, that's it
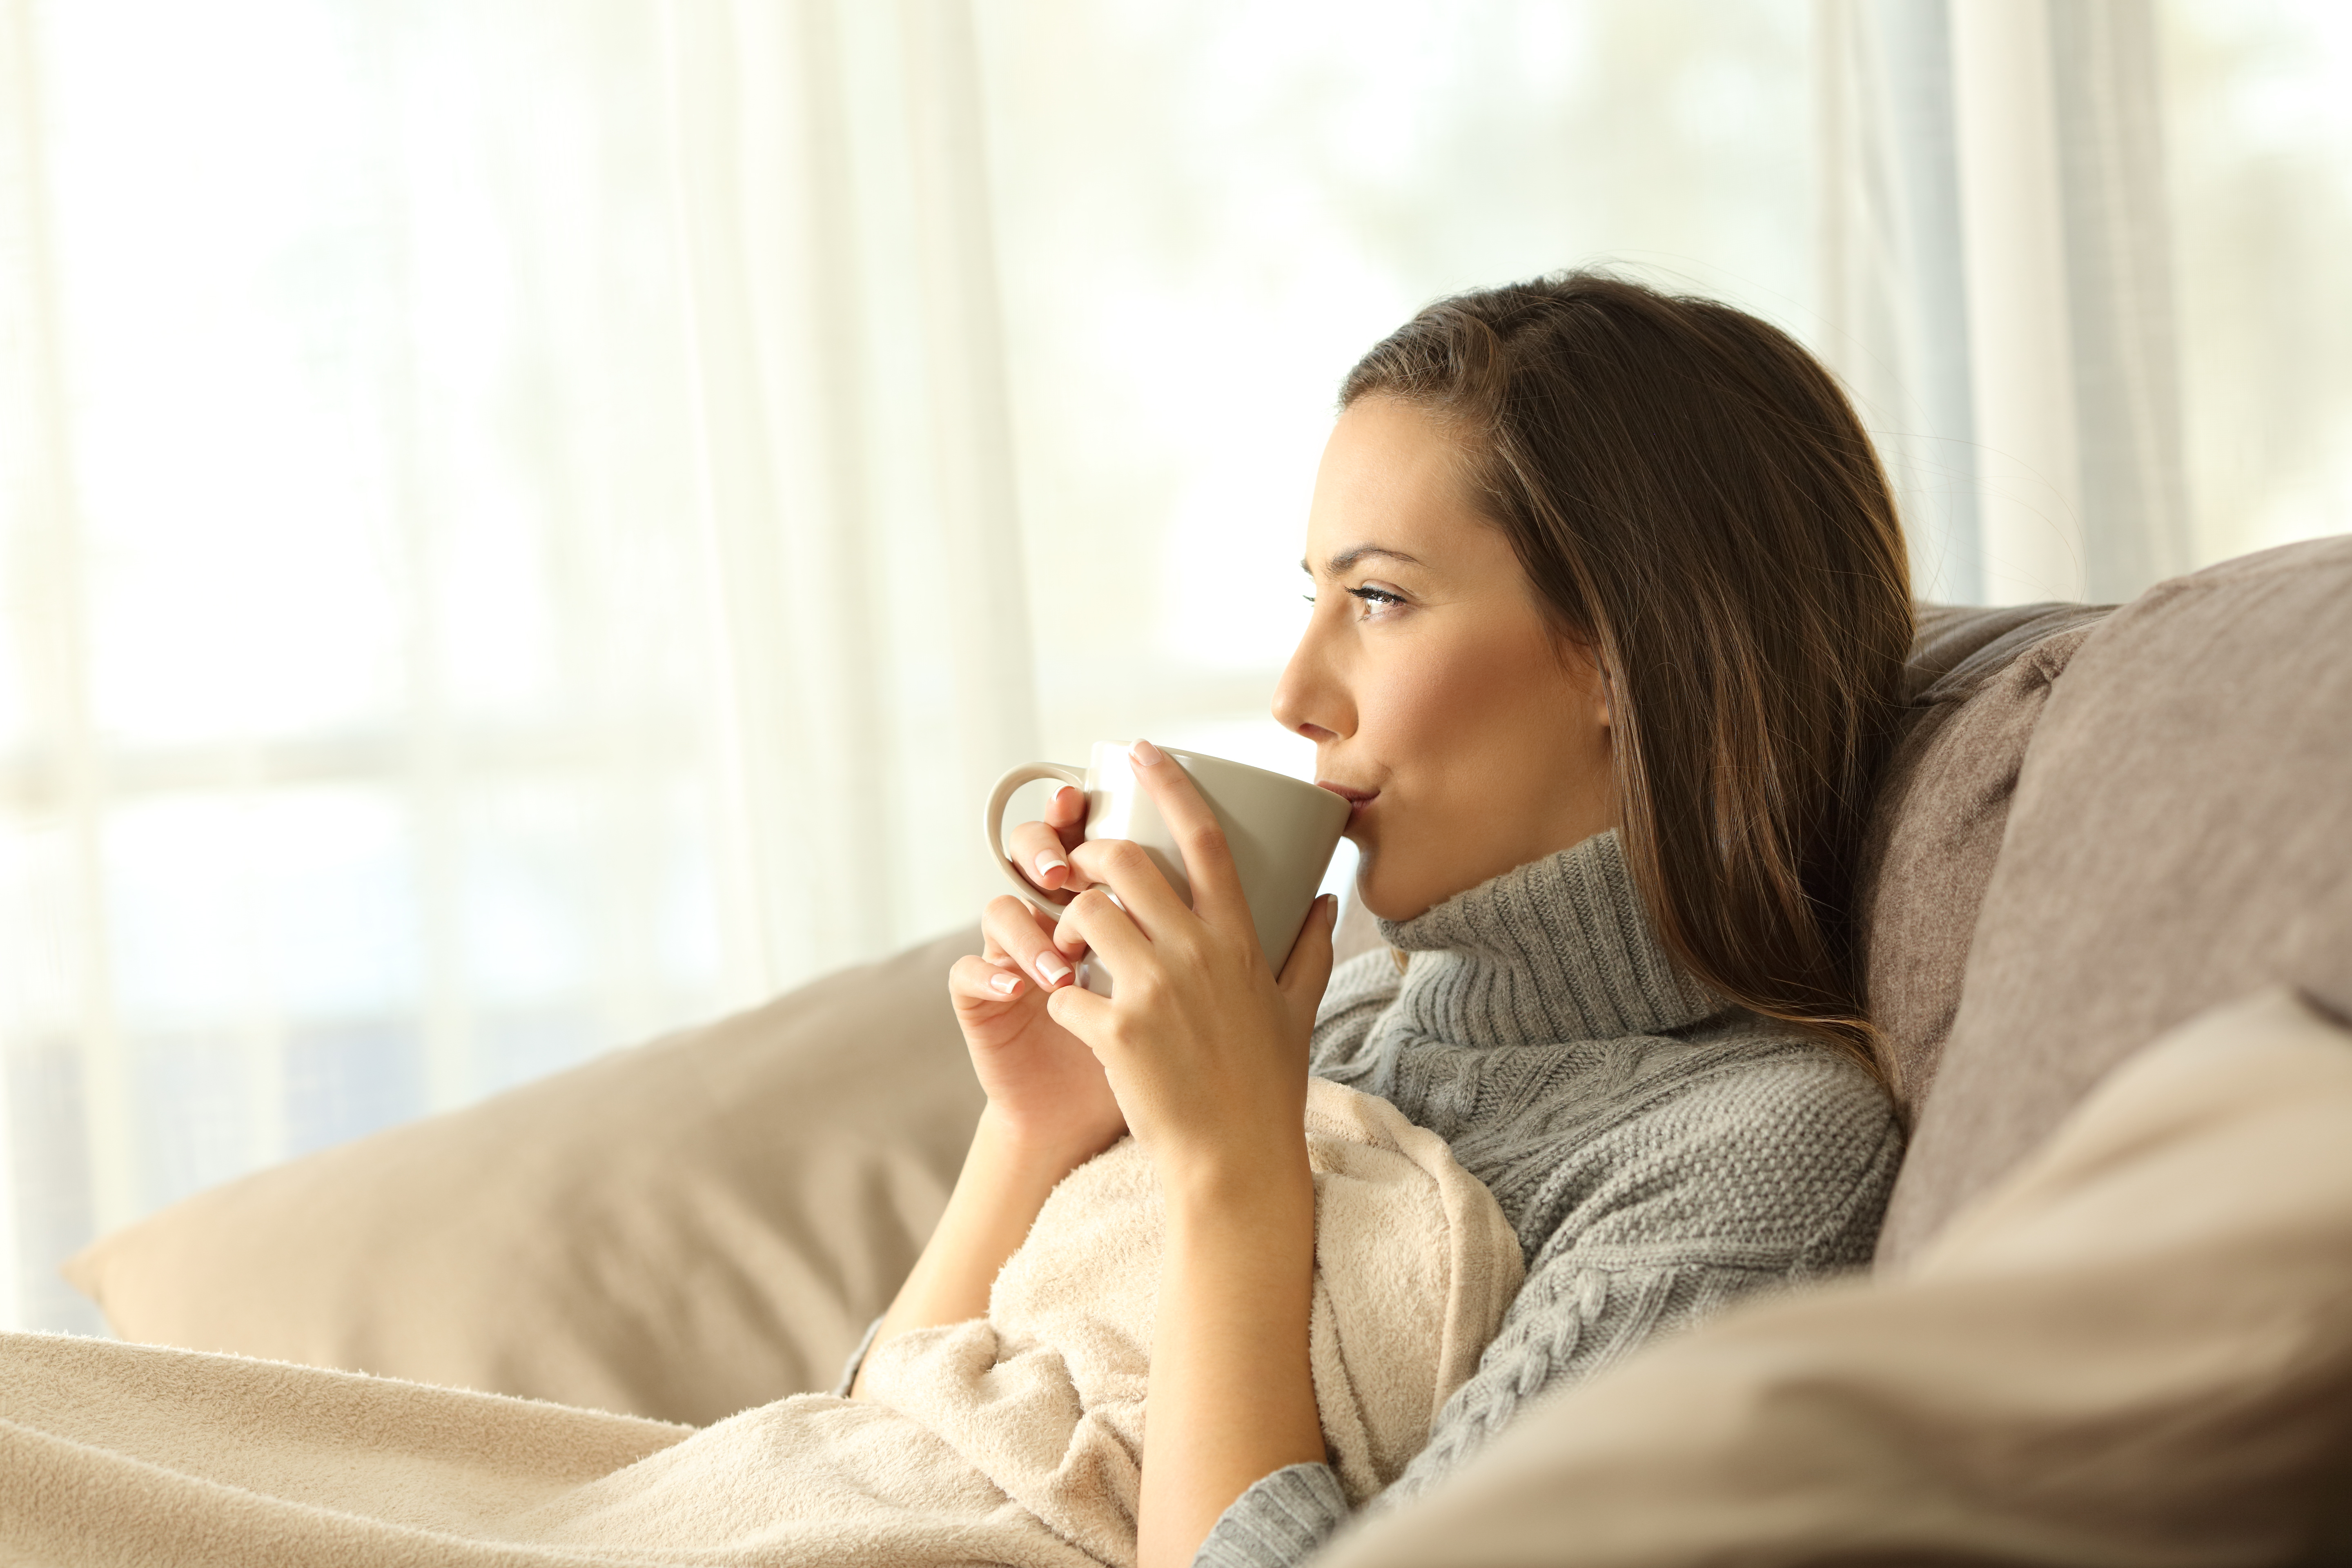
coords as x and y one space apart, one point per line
1560 949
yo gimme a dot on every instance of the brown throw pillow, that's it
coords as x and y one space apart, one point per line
682 1230
2182 833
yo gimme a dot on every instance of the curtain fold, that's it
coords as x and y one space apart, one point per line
861 541
2120 297
1894 286
1997 285
63 1056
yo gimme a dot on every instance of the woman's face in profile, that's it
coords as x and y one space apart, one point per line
1437 697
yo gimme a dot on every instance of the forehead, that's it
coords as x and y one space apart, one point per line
1391 481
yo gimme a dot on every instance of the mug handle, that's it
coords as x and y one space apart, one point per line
992 823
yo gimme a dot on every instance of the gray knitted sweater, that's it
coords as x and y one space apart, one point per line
1660 1151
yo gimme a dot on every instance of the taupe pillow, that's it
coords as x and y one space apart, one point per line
2181 832
2137 1351
681 1230
1978 680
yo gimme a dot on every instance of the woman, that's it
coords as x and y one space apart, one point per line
1610 609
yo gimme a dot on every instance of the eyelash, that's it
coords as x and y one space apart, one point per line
1369 597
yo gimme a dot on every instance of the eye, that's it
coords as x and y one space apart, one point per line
1377 602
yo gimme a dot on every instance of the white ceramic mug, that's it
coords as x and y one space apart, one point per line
1281 832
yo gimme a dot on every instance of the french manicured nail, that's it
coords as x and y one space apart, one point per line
1051 969
1049 861
1004 984
1145 754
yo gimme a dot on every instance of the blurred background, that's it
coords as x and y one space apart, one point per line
527 523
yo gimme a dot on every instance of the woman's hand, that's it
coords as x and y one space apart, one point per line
1049 1109
1046 1091
1204 1047
1206 1051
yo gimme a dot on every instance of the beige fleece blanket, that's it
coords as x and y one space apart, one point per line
1012 1440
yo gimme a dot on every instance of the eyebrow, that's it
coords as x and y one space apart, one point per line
1348 558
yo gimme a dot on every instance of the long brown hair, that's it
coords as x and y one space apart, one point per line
1696 504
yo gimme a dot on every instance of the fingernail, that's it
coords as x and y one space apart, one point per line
1049 861
1051 969
1145 754
1005 984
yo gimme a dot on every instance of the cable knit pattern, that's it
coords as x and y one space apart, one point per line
1659 1151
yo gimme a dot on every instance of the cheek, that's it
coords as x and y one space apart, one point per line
1449 714
1407 708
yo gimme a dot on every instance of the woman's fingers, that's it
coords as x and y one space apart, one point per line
1037 849
1309 970
1042 849
1083 1014
1208 859
1018 934
1098 920
975 979
1126 870
1066 813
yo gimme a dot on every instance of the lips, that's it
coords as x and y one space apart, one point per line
1357 799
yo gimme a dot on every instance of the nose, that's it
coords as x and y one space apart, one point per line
1312 696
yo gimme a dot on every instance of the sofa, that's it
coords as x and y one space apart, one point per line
2102 829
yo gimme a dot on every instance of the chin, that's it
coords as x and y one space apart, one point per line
1382 897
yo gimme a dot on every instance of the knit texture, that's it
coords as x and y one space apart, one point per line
1659 1151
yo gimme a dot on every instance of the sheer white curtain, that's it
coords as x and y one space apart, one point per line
871 659
2259 143
2082 262
508 545
1996 287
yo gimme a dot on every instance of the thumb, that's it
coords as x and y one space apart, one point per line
1308 969
1083 1014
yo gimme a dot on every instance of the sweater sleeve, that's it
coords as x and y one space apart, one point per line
857 1362
1281 1520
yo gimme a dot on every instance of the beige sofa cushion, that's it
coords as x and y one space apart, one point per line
2137 1350
681 1231
2182 833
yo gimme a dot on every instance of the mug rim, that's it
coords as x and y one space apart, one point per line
1186 754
